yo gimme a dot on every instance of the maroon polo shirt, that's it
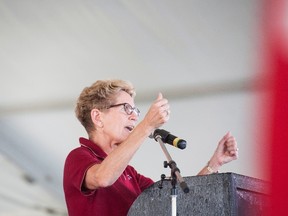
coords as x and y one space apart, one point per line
113 200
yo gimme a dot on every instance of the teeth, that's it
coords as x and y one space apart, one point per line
130 128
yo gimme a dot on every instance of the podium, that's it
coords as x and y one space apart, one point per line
216 194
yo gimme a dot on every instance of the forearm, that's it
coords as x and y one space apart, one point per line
211 167
106 173
225 152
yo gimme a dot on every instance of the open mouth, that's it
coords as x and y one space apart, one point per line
130 128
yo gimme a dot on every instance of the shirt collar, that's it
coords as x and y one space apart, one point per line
93 147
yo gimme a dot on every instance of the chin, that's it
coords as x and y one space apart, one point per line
124 137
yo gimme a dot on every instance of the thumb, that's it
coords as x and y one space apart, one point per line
225 137
160 96
228 134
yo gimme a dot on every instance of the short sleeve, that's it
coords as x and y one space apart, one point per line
76 165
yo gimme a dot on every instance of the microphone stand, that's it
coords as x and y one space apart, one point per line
175 176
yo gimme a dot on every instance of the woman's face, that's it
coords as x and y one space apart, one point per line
117 123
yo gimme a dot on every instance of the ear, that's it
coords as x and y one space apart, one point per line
96 117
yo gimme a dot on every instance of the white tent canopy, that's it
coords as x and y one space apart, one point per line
202 55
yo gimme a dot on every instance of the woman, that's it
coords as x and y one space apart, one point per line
97 177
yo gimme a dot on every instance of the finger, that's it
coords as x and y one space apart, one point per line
234 154
165 107
232 149
167 112
224 138
231 142
231 145
230 137
160 101
159 97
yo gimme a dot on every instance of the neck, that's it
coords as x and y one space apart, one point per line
100 141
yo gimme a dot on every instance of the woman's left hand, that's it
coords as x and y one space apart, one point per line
225 152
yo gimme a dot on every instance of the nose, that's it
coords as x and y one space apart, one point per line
134 116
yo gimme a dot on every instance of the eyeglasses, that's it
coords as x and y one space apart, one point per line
127 108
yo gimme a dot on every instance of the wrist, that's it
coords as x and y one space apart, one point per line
212 167
146 128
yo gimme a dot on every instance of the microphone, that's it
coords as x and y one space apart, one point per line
168 138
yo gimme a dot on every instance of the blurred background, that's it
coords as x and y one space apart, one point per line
204 57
